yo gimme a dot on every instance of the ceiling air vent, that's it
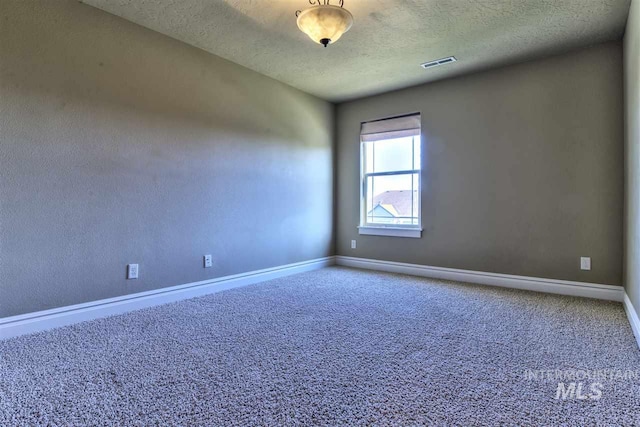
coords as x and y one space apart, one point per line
438 62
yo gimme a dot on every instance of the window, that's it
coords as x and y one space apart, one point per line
390 178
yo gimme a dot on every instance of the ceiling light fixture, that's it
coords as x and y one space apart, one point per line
324 23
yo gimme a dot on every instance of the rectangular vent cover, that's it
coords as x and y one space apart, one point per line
438 62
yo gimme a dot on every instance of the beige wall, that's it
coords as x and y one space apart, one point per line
119 145
632 154
523 169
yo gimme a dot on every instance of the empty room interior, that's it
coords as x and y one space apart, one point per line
320 212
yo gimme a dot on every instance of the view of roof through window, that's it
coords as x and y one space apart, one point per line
392 173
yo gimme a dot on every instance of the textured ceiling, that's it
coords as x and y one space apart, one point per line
388 41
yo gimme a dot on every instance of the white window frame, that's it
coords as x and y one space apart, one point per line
393 230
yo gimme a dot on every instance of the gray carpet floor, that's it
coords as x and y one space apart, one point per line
331 347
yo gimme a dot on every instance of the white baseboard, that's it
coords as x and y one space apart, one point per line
63 316
632 315
563 287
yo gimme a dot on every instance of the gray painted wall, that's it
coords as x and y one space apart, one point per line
632 155
119 145
523 169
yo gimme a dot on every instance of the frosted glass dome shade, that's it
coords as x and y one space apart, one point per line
325 24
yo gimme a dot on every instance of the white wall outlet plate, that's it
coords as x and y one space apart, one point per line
132 271
585 263
208 262
353 244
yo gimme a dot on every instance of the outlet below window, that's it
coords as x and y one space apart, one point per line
585 263
132 271
208 262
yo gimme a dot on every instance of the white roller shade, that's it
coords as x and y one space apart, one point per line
397 127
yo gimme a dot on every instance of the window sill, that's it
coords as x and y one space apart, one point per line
415 233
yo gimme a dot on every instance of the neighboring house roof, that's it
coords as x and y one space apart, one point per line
384 211
390 209
397 202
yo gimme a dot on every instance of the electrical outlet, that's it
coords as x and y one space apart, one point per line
585 263
353 244
208 263
132 271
